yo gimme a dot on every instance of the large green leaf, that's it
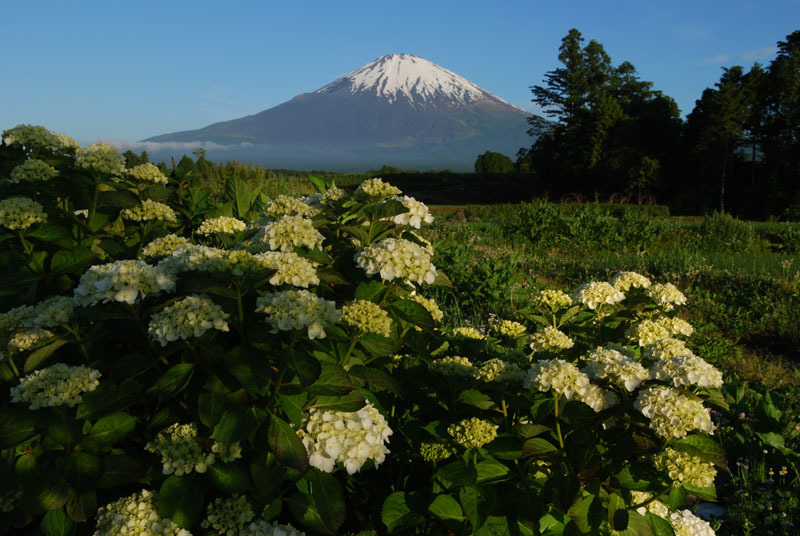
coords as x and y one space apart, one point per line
640 477
491 470
235 425
41 355
74 261
117 199
16 425
174 380
57 523
473 397
210 407
120 469
395 510
229 477
352 401
53 234
456 474
108 430
108 398
305 509
267 476
703 447
305 366
286 445
329 498
81 469
413 312
181 499
537 447
83 507
242 194
370 291
587 513
333 381
378 345
446 507
389 208
475 505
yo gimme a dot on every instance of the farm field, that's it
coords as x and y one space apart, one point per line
276 356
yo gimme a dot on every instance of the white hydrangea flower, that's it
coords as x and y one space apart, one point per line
57 385
101 157
135 515
672 414
288 234
163 246
367 317
435 451
147 173
374 189
468 332
665 349
121 281
291 269
597 293
598 399
47 314
33 171
298 309
190 317
227 452
263 528
34 136
395 258
653 507
350 438
553 300
676 326
332 196
666 295
18 213
560 376
221 225
228 516
683 468
610 364
453 366
179 450
687 370
509 328
417 214
685 523
623 281
497 370
550 339
150 210
429 304
285 205
24 340
647 332
473 433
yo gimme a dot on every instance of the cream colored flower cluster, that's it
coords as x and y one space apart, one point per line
34 136
228 516
509 328
435 451
666 295
351 438
395 258
49 313
288 234
498 370
24 340
473 433
367 317
196 257
221 225
285 205
417 214
374 189
550 339
468 332
190 317
685 523
553 300
147 173
567 380
332 196
33 171
135 515
623 281
676 326
263 528
648 331
687 370
453 366
291 268
227 452
163 246
671 413
298 309
429 304
654 507
150 210
57 385
121 281
102 158
665 348
610 364
17 213
683 468
597 293
179 450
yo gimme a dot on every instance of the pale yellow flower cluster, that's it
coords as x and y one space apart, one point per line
351 438
375 189
685 523
179 450
671 413
395 258
467 332
121 281
332 196
653 507
623 281
163 246
221 225
509 328
687 370
423 242
473 433
147 173
553 300
190 317
227 452
417 214
34 136
497 370
291 268
135 515
610 364
49 313
102 158
597 293
24 340
150 210
683 468
33 171
298 309
228 516
57 385
196 257
665 348
567 380
676 326
367 317
285 205
17 213
263 528
288 234
435 451
550 339
453 366
666 295
647 332
429 304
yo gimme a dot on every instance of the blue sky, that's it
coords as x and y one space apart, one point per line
130 70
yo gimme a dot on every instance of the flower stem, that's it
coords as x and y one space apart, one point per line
558 423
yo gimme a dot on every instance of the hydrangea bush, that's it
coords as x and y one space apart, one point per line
169 369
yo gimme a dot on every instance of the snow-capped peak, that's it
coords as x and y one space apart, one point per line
412 77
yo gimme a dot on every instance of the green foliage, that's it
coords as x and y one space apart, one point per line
492 162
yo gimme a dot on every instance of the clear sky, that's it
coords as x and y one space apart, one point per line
130 70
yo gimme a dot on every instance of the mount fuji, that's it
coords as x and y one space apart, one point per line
400 110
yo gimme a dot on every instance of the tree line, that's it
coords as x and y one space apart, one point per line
612 133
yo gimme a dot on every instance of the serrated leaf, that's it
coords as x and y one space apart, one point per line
389 208
229 477
328 496
446 507
41 355
108 398
505 448
475 398
120 469
286 445
81 469
16 425
51 233
74 261
394 509
210 407
83 507
702 447
413 312
474 505
537 447
174 380
378 345
490 470
586 513
456 474
305 510
235 425
640 477
57 523
181 499
333 380
370 291
660 526
108 430
352 401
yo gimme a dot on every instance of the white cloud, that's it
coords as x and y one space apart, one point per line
177 146
758 54
722 58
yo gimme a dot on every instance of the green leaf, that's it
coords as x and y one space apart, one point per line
615 503
41 355
116 199
531 430
195 284
319 185
305 366
475 398
16 425
456 474
446 507
704 494
389 208
333 381
242 195
250 368
702 447
292 406
83 507
491 470
378 345
328 496
638 525
210 407
660 526
413 312
174 380
537 447
229 477
284 443
378 379
52 491
370 291
474 504
394 510
235 426
56 523
505 447
181 499
53 234
305 509
108 398
677 497
587 514
81 469
352 401
267 476
715 397
113 428
74 261
640 477
120 469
